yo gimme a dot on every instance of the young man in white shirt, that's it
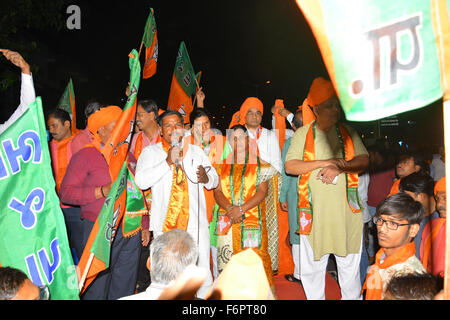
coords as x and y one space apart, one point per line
27 94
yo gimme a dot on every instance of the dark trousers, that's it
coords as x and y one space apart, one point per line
74 227
119 279
143 278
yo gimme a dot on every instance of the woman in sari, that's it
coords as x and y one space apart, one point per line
240 218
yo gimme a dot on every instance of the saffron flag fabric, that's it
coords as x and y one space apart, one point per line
67 103
33 233
95 257
183 85
96 254
150 40
383 56
116 149
280 123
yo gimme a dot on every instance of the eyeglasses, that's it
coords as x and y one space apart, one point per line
44 293
392 225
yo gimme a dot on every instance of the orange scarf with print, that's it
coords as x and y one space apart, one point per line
374 282
177 216
215 153
304 210
239 184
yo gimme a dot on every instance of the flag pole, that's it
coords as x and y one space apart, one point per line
196 89
88 266
140 48
441 25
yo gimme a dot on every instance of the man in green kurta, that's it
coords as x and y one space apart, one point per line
336 229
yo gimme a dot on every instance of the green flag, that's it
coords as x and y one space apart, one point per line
382 55
183 84
184 71
33 233
67 103
149 30
150 40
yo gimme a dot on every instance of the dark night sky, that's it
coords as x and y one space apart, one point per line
238 46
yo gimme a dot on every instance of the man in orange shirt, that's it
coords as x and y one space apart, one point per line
61 151
432 249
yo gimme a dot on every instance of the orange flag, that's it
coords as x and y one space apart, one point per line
150 41
183 84
96 254
280 123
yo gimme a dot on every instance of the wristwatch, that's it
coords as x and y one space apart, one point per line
242 212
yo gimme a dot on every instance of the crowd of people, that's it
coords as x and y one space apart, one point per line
215 200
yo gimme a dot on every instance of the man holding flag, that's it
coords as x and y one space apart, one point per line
87 183
112 248
34 238
374 80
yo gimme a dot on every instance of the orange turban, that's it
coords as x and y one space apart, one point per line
320 91
243 278
440 185
102 118
250 102
307 113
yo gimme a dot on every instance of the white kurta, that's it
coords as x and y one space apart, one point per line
27 96
269 148
152 171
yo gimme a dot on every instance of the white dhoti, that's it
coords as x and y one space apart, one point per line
313 273
152 171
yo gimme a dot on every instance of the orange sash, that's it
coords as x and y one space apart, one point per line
280 123
395 188
304 210
239 184
374 282
177 216
428 240
214 145
139 146
60 153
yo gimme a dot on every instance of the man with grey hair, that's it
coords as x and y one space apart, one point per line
170 254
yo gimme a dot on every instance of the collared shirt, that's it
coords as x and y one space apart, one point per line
269 148
152 171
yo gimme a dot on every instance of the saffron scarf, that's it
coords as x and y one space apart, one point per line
429 241
374 282
61 153
177 216
280 123
239 184
304 209
213 152
140 143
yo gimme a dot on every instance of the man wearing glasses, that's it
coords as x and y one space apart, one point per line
397 220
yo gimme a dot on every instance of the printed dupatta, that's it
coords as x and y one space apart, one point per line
304 209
